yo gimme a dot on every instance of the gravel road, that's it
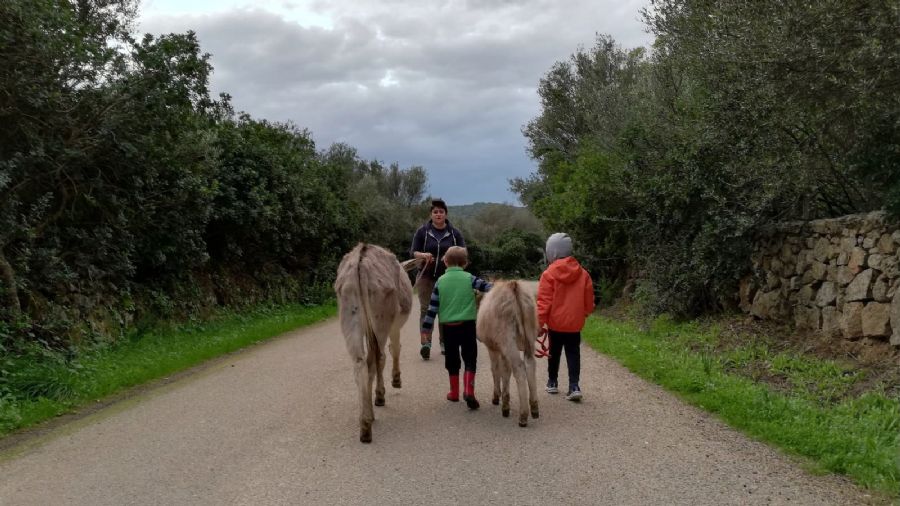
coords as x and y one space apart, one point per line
276 424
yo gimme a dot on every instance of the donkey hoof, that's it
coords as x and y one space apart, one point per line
379 401
365 436
523 424
495 401
535 414
505 413
396 383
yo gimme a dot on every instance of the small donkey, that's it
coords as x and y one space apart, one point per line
507 325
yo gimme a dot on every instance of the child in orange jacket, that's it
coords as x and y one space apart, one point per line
565 298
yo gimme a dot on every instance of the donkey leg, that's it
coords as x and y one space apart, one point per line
504 387
530 366
518 370
495 376
377 369
395 357
364 386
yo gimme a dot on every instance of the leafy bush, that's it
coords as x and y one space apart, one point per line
665 165
127 193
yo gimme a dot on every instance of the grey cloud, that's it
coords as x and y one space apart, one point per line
460 78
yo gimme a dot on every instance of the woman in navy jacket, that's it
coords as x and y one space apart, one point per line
429 244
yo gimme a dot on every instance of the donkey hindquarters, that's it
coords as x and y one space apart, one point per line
374 301
507 325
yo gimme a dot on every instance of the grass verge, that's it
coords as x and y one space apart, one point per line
40 384
858 436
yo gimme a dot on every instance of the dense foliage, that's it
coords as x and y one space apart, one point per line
503 240
126 189
127 193
663 164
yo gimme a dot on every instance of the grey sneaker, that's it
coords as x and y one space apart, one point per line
574 394
552 387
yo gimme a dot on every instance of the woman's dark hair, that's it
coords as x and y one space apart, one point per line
438 203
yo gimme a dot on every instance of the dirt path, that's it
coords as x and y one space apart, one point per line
276 424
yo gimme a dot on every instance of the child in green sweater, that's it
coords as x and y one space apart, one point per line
453 301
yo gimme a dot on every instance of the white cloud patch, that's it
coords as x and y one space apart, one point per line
443 84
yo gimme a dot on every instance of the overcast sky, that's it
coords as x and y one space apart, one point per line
443 84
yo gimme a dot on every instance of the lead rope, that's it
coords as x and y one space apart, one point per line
544 341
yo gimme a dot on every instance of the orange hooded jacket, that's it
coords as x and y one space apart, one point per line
565 296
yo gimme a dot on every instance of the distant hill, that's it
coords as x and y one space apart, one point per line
484 221
473 210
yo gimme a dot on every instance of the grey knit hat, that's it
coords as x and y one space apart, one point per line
559 245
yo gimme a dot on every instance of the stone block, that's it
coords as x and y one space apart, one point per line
848 243
831 322
869 223
844 276
875 260
787 271
787 252
851 320
895 319
876 319
809 277
800 318
880 289
803 262
819 271
768 305
857 260
806 294
772 281
861 286
822 249
889 266
775 265
807 318
826 295
843 258
886 245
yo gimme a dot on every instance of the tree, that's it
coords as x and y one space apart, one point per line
98 147
744 114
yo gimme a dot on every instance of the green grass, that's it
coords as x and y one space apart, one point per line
40 384
809 414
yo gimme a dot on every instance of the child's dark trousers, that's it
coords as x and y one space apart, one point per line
459 339
571 342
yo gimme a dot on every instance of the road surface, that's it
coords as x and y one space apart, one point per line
276 424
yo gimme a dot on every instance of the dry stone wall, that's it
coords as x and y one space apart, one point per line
839 277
